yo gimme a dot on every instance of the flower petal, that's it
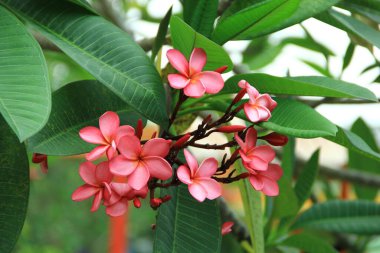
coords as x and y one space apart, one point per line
197 61
96 202
139 177
111 152
194 89
178 61
270 187
109 122
84 192
198 192
178 81
251 138
158 167
96 153
121 189
256 182
227 227
266 101
87 173
273 172
191 162
123 131
241 143
213 188
103 173
117 209
129 146
183 174
258 164
212 81
156 147
207 168
265 153
122 166
92 135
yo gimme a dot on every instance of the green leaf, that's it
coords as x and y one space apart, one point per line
306 179
360 162
357 217
105 51
185 39
25 98
251 21
320 69
353 142
14 187
253 212
348 55
161 34
308 43
299 120
286 203
186 225
200 15
369 9
288 158
75 106
309 243
300 86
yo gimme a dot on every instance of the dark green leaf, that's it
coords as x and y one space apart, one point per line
356 217
361 162
200 15
75 106
186 225
25 96
301 86
348 55
14 187
369 9
105 51
161 34
309 243
308 43
185 39
322 70
306 179
286 203
288 158
252 20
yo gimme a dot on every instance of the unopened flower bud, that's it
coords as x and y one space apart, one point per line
155 202
275 139
244 175
182 141
239 96
230 129
137 202
139 128
42 160
166 198
221 69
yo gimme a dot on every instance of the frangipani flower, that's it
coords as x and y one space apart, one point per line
266 181
227 227
107 137
255 158
97 179
198 178
191 78
141 163
117 205
259 106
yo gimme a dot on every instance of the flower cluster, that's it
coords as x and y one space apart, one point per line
133 167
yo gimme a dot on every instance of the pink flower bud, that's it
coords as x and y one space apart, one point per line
227 227
139 128
239 96
221 69
137 203
182 141
42 160
276 139
166 198
155 202
230 129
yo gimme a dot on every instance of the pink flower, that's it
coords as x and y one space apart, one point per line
191 78
198 178
140 163
107 137
255 158
227 227
117 205
97 179
259 106
266 181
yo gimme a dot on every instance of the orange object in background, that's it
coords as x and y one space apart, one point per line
118 242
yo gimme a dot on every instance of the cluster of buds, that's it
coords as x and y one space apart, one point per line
134 167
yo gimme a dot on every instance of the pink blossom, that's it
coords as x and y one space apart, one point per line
198 178
141 162
191 78
255 158
266 181
107 137
117 204
227 227
97 179
259 106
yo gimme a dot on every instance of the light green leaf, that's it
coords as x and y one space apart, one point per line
184 39
200 15
323 70
25 98
300 86
75 106
14 187
356 217
186 225
252 20
369 9
288 158
360 162
309 243
105 51
306 179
